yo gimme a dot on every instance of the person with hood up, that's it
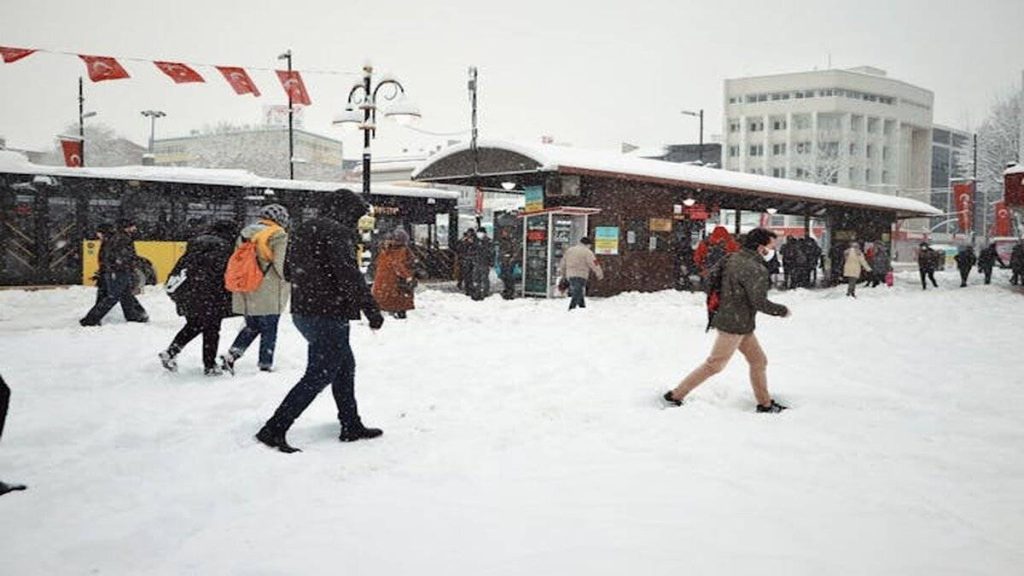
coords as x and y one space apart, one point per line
328 291
854 264
712 250
200 295
395 282
576 265
987 260
262 308
744 293
117 266
927 262
881 265
965 260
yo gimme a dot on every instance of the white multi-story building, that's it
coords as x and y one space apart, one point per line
854 128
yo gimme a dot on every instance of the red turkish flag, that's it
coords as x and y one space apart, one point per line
103 68
72 148
239 80
14 54
294 87
180 73
1003 226
963 203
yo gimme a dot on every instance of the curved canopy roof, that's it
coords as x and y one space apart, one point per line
507 160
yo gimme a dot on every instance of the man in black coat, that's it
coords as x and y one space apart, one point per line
5 398
117 266
987 260
328 291
927 263
201 297
482 254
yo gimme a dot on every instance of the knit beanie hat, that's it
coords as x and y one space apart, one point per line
277 213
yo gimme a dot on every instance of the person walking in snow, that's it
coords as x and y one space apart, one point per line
854 264
965 261
464 261
103 230
1017 263
117 265
328 291
987 260
927 262
395 282
744 293
576 266
881 265
5 400
201 297
482 255
262 307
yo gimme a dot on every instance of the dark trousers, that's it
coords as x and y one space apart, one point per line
209 328
118 289
964 273
481 282
988 275
508 291
266 328
5 400
330 362
851 286
577 292
929 274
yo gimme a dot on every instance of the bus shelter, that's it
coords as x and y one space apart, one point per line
646 208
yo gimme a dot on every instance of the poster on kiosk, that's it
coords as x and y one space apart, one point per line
548 233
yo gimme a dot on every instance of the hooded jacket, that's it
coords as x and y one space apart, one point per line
321 262
272 295
203 294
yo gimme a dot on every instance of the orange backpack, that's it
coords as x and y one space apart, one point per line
243 273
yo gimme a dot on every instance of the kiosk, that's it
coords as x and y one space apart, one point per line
547 234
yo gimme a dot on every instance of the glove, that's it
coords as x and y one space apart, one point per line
376 320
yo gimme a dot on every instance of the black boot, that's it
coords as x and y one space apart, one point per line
359 432
275 440
772 408
670 401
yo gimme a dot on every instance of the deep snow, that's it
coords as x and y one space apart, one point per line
522 439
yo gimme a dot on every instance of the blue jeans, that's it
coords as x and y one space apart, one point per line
330 362
118 288
266 328
577 290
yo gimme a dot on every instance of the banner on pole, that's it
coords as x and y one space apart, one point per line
963 202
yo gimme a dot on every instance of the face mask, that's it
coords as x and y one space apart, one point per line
768 255
480 236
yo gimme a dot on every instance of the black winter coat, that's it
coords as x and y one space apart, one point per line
965 259
117 253
321 266
988 257
202 295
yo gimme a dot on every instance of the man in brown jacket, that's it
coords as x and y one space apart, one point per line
576 266
744 294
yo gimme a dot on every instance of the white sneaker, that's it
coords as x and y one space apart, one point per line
168 361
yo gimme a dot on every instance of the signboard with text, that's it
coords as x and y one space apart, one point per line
606 240
535 268
534 198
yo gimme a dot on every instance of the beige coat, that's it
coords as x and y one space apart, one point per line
272 295
579 262
855 263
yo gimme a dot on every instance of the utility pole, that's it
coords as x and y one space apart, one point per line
472 101
81 122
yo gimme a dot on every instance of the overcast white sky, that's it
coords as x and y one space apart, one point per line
589 73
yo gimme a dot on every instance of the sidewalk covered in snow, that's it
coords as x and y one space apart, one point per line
650 204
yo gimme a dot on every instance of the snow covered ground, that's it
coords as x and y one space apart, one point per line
521 439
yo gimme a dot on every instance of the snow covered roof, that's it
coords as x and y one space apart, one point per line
15 163
561 158
1018 169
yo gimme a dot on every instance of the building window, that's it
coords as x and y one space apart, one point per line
779 172
778 123
758 171
885 152
867 175
734 151
778 149
885 176
802 121
853 149
757 150
829 149
829 122
873 125
734 125
803 147
733 99
756 126
802 173
869 151
852 175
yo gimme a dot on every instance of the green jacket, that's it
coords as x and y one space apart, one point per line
744 294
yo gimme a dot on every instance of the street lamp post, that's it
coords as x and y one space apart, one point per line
700 147
82 115
291 134
364 97
152 115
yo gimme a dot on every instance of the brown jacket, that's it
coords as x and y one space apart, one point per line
744 294
392 283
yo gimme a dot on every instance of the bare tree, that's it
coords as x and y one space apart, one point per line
998 144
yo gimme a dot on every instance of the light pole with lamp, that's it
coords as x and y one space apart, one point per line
152 115
364 97
700 147
287 55
82 115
